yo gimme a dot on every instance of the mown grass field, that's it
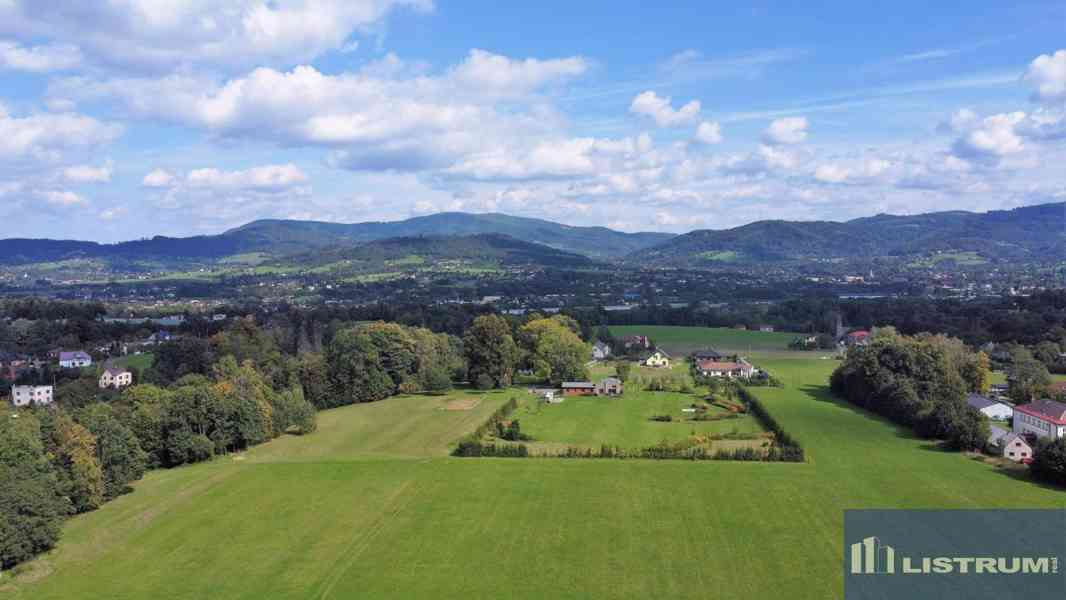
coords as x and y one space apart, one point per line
589 421
680 341
370 506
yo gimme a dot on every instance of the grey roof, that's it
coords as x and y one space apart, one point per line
578 384
980 402
611 381
77 354
997 434
1011 437
114 371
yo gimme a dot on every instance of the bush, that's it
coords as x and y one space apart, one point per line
1049 461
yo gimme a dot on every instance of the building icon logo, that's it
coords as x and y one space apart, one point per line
871 557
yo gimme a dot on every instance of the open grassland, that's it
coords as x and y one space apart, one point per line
589 421
680 341
370 507
135 361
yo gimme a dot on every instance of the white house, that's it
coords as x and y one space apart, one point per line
600 351
1042 418
115 378
1015 447
992 409
658 359
75 360
25 395
729 370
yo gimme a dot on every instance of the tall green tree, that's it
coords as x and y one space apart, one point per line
555 351
32 505
1027 377
491 352
117 449
355 369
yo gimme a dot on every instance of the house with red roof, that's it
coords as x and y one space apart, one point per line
1041 418
857 338
727 369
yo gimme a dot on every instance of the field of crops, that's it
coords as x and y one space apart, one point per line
371 506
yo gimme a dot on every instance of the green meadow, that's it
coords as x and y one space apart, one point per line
625 421
681 341
371 506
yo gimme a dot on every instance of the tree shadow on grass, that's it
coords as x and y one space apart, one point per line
1024 476
822 393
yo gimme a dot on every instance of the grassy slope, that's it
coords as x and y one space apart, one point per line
680 341
360 510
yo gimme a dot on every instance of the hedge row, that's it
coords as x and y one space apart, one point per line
786 445
472 445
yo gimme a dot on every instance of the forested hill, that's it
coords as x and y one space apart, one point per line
487 250
281 237
1032 232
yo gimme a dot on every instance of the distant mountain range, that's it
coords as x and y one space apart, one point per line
487 250
1032 232
281 237
1023 234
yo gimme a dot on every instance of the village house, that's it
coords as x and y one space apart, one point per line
37 395
159 337
600 351
1015 447
990 408
766 328
115 378
636 341
727 369
579 388
708 354
1041 418
611 386
75 360
857 338
657 360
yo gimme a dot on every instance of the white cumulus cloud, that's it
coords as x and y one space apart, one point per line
789 130
709 132
650 104
1048 73
39 59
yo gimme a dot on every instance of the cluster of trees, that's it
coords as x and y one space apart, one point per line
373 361
920 382
219 395
55 463
550 347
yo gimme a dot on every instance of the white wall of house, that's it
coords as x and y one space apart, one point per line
999 412
25 395
1024 423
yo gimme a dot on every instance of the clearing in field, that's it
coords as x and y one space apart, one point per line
462 404
371 506
637 419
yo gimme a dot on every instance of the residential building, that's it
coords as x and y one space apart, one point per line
636 341
1015 447
37 395
159 337
857 338
579 388
611 386
708 354
657 359
75 360
1041 418
727 369
766 328
990 408
600 351
115 378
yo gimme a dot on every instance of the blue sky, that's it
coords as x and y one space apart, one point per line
134 118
